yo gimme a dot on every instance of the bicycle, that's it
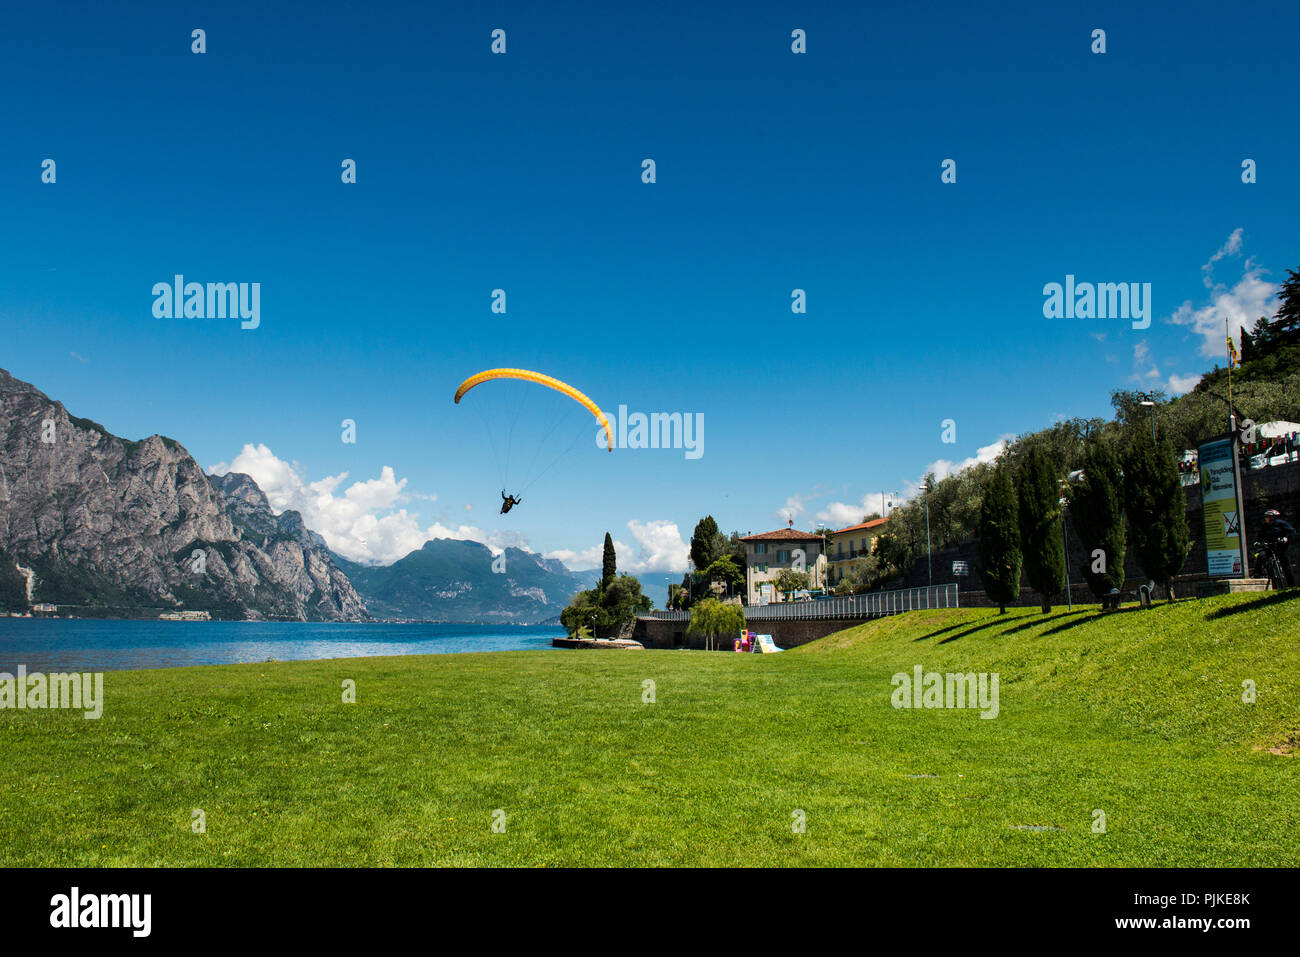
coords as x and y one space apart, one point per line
1268 565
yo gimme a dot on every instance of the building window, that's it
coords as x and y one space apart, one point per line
761 568
783 555
760 548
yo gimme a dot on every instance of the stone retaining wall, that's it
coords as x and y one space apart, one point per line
659 633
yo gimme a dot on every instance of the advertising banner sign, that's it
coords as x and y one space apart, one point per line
1219 509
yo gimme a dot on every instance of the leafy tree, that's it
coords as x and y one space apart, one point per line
1156 506
607 611
1285 327
609 563
736 549
1263 390
724 570
683 595
954 516
788 580
999 530
866 573
1097 508
893 555
707 543
711 618
1040 524
1063 444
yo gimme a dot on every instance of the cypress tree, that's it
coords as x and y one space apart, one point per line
1040 525
704 543
999 554
1247 345
608 564
1157 509
1097 509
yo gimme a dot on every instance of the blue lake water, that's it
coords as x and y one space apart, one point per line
48 645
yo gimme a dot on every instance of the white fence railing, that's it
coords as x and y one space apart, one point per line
871 605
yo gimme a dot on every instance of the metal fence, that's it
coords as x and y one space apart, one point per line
871 605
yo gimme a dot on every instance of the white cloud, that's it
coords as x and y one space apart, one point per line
797 504
1231 248
659 547
942 468
580 561
1144 367
366 523
793 507
497 541
1239 305
1178 384
842 514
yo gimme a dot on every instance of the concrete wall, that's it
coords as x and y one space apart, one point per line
657 633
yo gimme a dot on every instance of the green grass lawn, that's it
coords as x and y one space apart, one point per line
1137 714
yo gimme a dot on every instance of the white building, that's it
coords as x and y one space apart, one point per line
768 553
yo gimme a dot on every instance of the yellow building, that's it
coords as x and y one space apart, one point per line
848 546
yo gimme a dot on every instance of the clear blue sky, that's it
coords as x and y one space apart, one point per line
775 171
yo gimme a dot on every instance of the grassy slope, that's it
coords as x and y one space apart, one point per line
1138 714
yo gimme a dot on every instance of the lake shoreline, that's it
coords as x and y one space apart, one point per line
100 644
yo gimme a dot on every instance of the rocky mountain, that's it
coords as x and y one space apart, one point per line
460 581
105 526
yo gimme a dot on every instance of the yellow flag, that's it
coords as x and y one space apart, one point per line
1234 359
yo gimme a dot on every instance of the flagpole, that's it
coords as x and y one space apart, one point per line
1228 335
1243 551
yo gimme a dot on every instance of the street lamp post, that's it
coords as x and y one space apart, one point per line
1152 406
822 528
929 566
1065 550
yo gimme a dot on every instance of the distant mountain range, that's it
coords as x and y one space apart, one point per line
461 581
102 526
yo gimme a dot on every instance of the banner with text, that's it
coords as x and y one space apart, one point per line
1219 509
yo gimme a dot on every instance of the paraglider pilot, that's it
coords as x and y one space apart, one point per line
509 501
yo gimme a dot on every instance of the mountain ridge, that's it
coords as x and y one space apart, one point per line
463 581
109 527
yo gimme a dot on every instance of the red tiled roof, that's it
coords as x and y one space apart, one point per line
783 535
874 523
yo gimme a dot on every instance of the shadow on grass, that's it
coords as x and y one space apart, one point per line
1087 617
1067 625
1276 598
970 631
940 631
1038 620
1022 623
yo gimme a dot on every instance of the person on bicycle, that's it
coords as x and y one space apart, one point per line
1277 533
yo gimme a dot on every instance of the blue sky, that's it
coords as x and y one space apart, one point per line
775 171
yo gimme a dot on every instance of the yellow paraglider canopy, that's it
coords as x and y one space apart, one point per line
541 379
